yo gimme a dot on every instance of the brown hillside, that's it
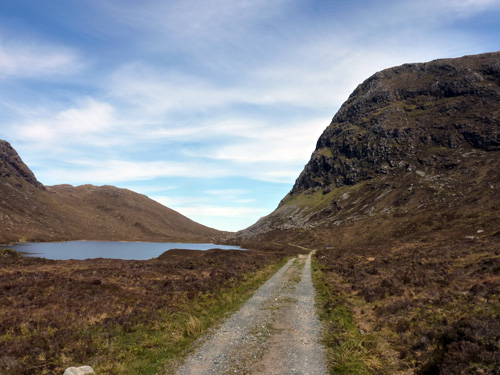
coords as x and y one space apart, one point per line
30 211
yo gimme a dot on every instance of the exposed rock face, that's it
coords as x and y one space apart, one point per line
397 117
11 165
411 132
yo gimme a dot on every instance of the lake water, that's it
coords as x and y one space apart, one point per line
104 249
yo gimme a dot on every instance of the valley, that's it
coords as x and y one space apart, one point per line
400 200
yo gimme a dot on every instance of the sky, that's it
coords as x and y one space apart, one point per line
210 107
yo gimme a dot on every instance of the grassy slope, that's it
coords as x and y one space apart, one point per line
30 211
90 213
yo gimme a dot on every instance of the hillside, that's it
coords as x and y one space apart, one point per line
30 211
401 199
415 145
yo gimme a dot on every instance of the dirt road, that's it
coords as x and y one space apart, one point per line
275 332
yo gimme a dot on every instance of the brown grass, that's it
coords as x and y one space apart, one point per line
436 305
106 312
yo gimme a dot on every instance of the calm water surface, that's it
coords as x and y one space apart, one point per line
104 249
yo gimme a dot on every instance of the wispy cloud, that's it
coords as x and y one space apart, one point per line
211 211
105 171
438 15
228 192
227 91
268 144
462 8
196 23
87 123
235 215
30 60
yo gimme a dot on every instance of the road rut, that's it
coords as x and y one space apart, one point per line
275 332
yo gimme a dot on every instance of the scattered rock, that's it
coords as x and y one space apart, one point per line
83 370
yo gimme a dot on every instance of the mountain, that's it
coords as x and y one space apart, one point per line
401 200
413 152
30 211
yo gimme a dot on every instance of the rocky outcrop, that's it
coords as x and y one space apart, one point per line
11 165
407 137
398 118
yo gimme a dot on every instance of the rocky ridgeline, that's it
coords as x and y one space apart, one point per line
400 117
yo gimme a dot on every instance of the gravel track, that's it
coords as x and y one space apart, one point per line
275 332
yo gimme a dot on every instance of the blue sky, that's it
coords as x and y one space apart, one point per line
209 107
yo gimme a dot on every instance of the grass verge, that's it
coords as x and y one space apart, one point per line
350 350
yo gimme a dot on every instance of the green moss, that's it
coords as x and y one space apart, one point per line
325 151
318 200
357 129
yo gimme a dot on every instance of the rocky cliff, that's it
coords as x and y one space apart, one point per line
30 211
11 166
410 140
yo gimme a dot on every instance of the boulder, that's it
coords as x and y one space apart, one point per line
83 370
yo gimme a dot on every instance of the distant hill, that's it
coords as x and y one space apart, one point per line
30 211
414 151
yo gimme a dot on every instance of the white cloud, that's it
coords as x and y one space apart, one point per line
257 142
198 207
89 121
178 201
224 218
278 174
195 23
431 14
147 189
213 211
28 60
230 218
467 5
116 171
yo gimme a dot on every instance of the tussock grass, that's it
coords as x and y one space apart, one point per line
193 327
